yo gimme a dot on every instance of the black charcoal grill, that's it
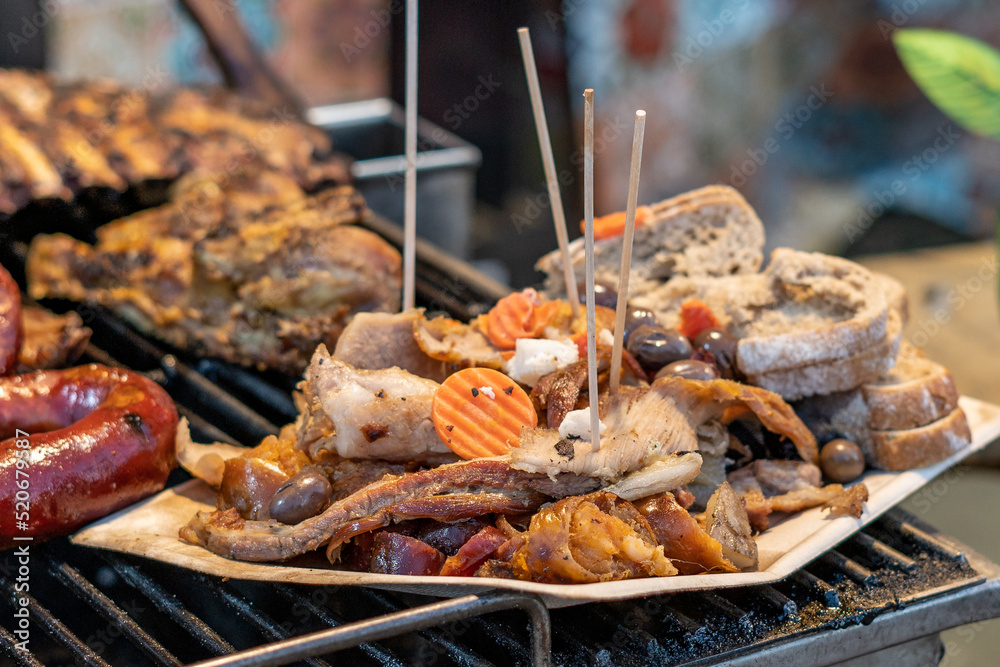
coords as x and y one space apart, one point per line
891 588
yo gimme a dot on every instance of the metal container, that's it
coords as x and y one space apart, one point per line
372 132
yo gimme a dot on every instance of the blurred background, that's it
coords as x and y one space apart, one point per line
801 105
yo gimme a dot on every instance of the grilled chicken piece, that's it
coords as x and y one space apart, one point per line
586 539
246 268
645 425
373 341
446 493
381 414
58 138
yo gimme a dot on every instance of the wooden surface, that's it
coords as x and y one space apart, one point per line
954 314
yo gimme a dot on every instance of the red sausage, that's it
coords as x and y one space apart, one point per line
102 438
10 322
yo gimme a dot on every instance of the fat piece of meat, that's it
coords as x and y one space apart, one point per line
684 540
447 493
373 341
246 268
50 340
645 425
381 414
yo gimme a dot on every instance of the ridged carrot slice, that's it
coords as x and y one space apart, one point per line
480 412
519 315
613 224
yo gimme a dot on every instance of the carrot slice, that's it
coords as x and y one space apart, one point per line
695 318
518 315
613 224
480 412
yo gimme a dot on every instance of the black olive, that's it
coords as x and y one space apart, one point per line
692 369
604 295
841 460
304 495
635 318
722 346
655 347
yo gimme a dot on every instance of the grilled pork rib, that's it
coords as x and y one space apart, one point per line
245 267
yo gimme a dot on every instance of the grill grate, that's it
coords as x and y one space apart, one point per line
99 608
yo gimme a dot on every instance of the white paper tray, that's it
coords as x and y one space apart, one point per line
150 529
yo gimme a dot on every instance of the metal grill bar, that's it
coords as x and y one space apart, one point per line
436 636
261 621
856 571
829 594
376 651
171 606
881 552
55 629
9 644
103 605
411 620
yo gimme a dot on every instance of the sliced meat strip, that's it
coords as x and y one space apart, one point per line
460 489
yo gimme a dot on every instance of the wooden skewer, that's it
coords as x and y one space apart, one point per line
410 190
588 223
548 161
633 193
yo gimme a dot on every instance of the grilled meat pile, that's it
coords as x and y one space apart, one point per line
57 139
243 266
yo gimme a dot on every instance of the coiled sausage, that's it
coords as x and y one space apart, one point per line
101 438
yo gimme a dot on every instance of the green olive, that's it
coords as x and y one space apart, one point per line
841 460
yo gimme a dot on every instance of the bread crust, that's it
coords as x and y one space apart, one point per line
826 308
918 447
711 231
914 393
835 375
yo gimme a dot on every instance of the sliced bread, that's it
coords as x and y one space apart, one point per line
834 375
907 418
711 231
808 324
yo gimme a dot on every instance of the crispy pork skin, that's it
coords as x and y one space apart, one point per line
447 493
586 539
685 542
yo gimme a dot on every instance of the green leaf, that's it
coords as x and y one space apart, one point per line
959 74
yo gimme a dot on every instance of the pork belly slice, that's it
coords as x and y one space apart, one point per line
643 426
372 341
684 540
447 493
375 414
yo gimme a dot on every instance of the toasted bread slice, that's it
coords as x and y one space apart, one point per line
824 308
711 231
915 392
835 375
806 310
918 447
